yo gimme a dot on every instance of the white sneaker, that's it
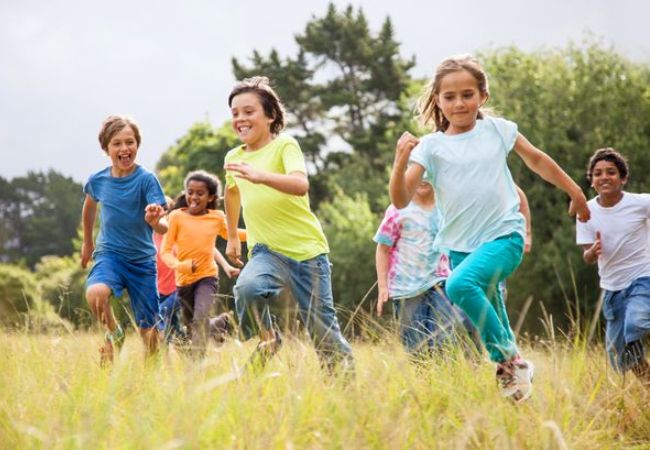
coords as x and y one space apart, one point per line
515 379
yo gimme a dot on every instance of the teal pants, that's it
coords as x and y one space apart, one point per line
473 286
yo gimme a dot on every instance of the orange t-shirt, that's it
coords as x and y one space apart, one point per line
194 238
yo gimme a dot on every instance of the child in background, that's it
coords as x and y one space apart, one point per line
267 176
466 161
193 230
169 306
616 238
125 257
412 273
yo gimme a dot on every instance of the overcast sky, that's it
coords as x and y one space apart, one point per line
66 64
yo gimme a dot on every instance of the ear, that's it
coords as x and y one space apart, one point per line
484 99
624 181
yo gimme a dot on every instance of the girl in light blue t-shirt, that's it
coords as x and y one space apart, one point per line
466 161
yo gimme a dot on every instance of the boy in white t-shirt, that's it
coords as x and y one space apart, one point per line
616 238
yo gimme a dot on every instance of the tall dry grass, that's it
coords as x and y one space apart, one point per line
53 394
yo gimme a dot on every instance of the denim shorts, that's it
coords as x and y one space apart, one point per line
627 314
137 277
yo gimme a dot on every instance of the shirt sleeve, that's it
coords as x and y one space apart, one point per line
292 158
89 189
645 201
507 131
421 155
230 179
389 229
584 233
154 192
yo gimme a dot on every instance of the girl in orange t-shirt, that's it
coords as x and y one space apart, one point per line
193 230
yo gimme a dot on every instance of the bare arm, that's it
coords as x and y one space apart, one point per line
524 209
294 183
232 205
229 270
382 258
543 165
404 178
88 215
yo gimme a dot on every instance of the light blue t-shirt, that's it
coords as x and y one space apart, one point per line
414 263
123 229
474 187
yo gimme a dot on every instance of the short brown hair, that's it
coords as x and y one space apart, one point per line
113 125
271 103
611 155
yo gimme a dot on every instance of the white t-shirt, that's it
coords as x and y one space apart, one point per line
624 238
474 187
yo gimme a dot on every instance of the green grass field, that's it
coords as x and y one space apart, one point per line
53 394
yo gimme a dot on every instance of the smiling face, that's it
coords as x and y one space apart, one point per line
122 148
606 179
459 99
250 122
197 196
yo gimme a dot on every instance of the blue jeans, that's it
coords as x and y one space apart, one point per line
170 324
269 274
627 314
429 321
474 287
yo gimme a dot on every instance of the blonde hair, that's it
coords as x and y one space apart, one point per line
113 125
429 113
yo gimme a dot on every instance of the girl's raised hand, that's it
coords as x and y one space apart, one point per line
153 213
231 271
578 207
246 172
405 145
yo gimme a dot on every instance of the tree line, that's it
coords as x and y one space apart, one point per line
349 94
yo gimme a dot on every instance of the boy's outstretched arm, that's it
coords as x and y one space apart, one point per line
293 183
382 258
232 205
404 178
543 165
524 209
88 215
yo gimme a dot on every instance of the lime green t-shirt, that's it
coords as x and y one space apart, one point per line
284 222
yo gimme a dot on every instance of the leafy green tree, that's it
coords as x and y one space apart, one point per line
203 147
40 213
18 294
568 102
342 92
350 225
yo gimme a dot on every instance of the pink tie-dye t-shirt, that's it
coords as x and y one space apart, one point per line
415 265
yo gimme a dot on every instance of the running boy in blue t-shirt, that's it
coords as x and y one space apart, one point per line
125 257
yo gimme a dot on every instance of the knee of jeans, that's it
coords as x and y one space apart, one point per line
249 291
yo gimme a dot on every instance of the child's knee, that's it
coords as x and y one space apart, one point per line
97 295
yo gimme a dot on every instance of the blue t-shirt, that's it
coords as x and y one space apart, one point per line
123 229
474 187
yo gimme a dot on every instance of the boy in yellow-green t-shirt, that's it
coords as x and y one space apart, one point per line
267 176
